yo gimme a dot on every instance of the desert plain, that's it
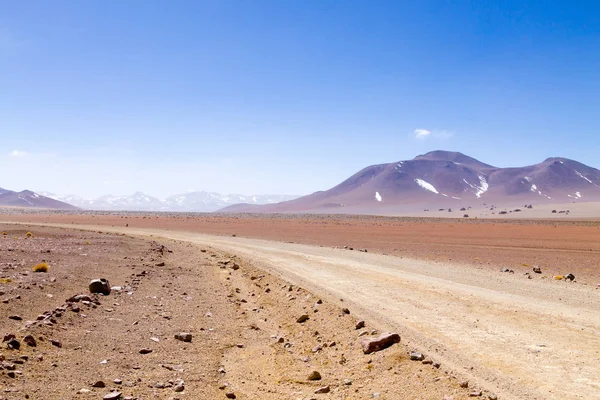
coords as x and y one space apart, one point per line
474 318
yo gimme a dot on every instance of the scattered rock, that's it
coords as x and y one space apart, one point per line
381 342
569 277
415 356
183 336
145 351
160 264
324 389
537 270
29 340
99 384
360 324
476 393
302 318
347 382
345 310
464 384
55 343
112 396
100 286
179 386
230 395
16 318
314 376
14 344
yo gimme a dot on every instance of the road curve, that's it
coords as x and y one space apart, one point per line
520 338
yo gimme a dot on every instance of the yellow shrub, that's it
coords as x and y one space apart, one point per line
29 235
42 267
5 280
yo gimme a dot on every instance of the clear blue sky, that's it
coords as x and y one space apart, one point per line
286 96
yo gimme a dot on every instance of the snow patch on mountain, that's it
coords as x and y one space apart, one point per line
426 185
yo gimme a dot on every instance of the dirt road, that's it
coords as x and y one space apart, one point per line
519 338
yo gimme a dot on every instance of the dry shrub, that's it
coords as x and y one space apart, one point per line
41 267
29 235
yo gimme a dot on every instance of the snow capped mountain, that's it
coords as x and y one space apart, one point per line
187 202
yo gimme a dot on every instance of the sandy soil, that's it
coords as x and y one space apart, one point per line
246 341
558 246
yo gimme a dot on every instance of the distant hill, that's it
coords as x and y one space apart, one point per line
29 199
447 179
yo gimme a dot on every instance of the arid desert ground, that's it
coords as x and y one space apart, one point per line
239 284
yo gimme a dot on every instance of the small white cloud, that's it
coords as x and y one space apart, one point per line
422 133
17 153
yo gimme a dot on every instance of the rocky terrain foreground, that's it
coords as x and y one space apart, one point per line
186 321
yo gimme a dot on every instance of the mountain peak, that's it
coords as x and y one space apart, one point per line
452 156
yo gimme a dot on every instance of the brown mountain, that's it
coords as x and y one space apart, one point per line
446 179
29 199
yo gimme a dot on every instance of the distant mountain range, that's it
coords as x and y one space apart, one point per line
446 179
188 202
29 199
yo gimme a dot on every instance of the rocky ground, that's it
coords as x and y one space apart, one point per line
247 341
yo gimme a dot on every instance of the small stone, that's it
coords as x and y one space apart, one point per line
492 396
464 384
160 264
99 384
302 318
179 386
324 389
29 340
347 382
99 286
415 356
16 317
230 395
570 277
475 393
112 396
345 310
360 324
145 351
184 336
314 376
56 343
537 270
84 391
14 344
379 343
117 381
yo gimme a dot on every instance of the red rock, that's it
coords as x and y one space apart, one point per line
384 341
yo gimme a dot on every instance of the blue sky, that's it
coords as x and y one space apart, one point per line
290 96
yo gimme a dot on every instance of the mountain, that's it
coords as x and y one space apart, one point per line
188 202
29 199
447 179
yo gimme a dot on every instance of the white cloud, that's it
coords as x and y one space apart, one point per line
422 133
17 153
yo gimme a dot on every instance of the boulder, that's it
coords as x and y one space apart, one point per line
100 286
381 342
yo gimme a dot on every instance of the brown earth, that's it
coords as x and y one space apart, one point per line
246 340
558 246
